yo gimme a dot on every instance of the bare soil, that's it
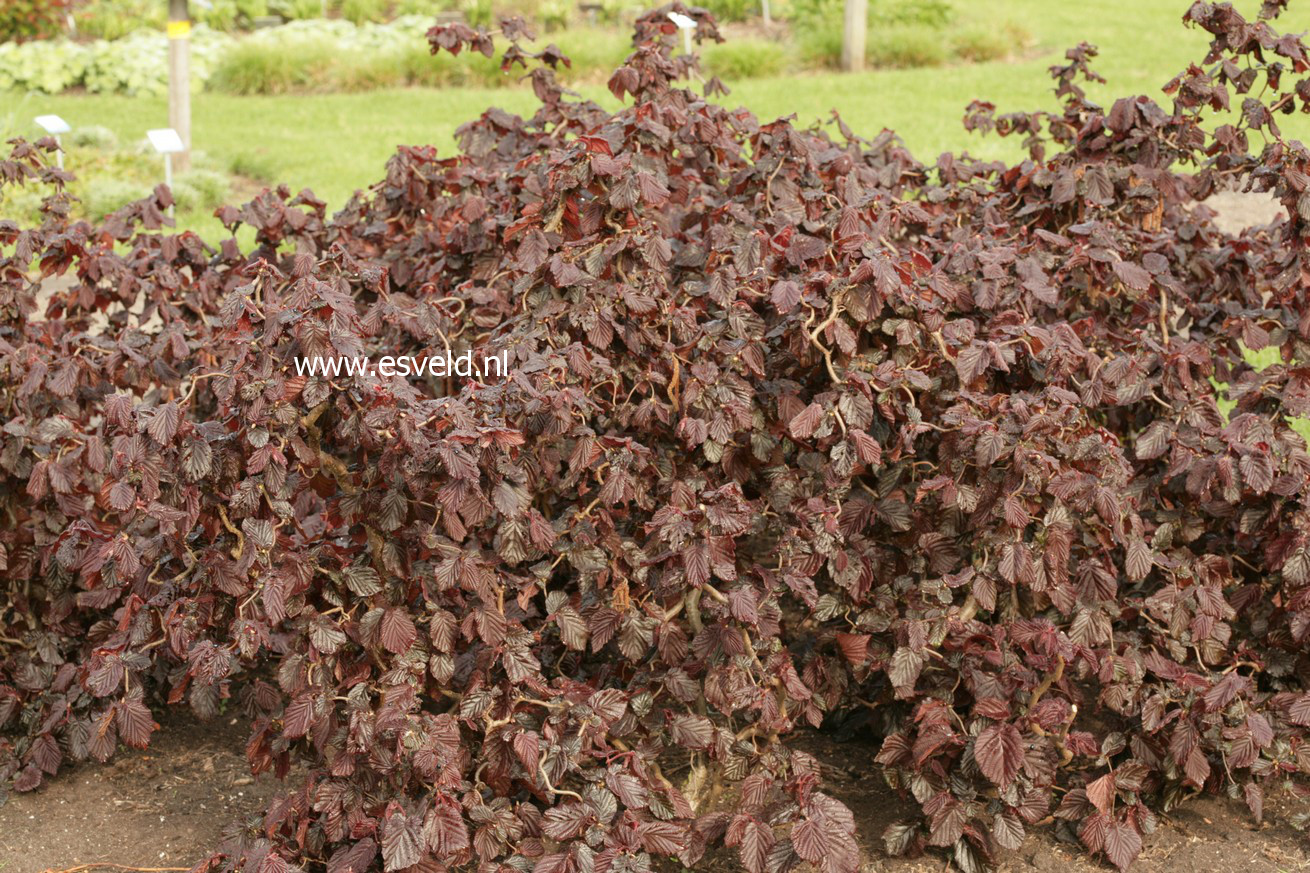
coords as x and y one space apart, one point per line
1236 211
163 807
167 806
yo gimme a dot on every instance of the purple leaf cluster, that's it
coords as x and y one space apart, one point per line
796 427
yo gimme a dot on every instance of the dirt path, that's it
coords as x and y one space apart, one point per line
1236 210
159 808
165 807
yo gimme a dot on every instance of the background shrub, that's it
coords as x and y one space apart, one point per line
296 10
43 66
924 13
201 188
361 11
906 45
733 10
902 33
334 56
134 64
819 42
418 66
114 19
279 67
745 58
22 20
426 8
107 195
368 54
230 15
979 42
91 136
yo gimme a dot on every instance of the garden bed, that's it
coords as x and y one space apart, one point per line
167 806
991 474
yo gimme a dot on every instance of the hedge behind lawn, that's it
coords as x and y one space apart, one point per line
795 425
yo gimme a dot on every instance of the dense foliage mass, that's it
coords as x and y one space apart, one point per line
21 20
796 426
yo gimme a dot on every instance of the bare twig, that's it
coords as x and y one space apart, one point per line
1055 676
1164 315
541 768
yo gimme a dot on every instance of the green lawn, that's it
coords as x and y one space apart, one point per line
338 143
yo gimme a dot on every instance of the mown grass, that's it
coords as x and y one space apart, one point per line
1266 357
337 143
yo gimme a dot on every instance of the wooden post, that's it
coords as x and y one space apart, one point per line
179 77
854 31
